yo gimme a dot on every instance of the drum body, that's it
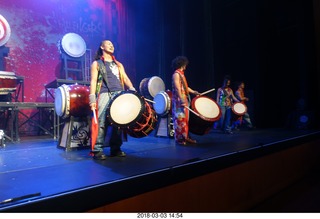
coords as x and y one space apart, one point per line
129 111
150 87
72 100
209 112
73 45
8 82
163 103
239 109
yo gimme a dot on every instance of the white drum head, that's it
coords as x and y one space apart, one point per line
5 31
73 44
239 108
207 107
125 108
162 104
8 75
60 100
155 85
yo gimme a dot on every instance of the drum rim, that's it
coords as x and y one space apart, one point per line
235 112
7 32
8 73
62 91
208 119
81 40
168 103
127 125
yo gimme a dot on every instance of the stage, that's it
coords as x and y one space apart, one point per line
38 176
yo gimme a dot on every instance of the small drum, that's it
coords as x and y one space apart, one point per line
163 103
5 31
149 87
8 82
73 44
209 112
72 100
129 111
239 109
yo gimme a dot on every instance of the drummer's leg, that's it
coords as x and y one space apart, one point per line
247 120
102 107
115 142
228 115
180 126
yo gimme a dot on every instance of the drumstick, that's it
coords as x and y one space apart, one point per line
197 114
149 100
208 91
94 116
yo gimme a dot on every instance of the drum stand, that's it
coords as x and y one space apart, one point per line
75 133
165 127
73 67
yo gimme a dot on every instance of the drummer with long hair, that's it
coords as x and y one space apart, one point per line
180 101
108 78
225 99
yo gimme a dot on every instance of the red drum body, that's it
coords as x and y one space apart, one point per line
72 100
239 109
150 87
163 103
129 111
209 112
8 82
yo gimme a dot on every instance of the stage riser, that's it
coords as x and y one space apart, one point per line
234 189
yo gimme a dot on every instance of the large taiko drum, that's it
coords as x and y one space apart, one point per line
239 109
209 112
150 87
73 45
163 102
5 31
8 82
72 100
129 111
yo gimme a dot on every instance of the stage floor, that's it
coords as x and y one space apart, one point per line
37 167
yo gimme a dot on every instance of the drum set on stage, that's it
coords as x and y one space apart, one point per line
139 114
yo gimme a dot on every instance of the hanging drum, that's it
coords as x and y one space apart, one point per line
5 31
149 87
73 45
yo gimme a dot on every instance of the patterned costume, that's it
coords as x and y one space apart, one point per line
180 114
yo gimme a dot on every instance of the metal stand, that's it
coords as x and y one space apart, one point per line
75 133
165 127
45 113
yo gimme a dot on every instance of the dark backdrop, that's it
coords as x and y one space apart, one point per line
269 44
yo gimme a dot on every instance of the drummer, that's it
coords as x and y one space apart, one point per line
243 99
181 100
225 99
108 77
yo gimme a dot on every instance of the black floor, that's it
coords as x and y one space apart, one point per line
36 166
